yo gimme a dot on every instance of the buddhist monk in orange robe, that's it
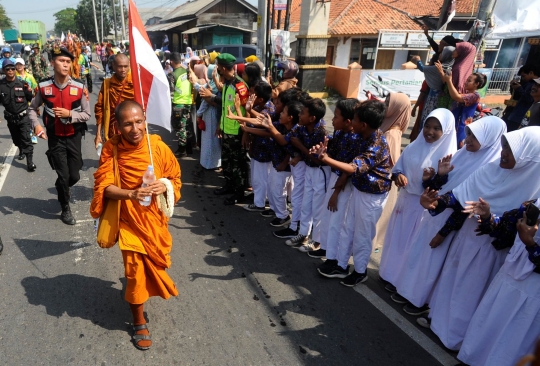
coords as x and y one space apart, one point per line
113 91
144 238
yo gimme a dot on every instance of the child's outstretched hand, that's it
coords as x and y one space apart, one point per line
401 180
265 120
428 173
480 208
428 199
445 165
319 149
230 113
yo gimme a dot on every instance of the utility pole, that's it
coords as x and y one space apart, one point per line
95 19
261 29
114 23
102 34
123 22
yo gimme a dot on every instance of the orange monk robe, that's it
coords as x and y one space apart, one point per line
112 92
144 237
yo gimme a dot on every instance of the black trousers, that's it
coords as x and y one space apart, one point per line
20 134
89 81
65 158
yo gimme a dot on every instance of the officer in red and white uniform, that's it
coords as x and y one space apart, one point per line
66 110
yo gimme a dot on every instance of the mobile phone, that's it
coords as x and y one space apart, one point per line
517 79
532 212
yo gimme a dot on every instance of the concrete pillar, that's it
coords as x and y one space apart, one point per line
312 44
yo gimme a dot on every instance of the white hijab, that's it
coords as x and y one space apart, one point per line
506 189
420 154
488 131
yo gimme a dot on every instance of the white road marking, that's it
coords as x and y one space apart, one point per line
7 165
423 341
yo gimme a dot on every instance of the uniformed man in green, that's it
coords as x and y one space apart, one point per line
182 99
37 65
234 160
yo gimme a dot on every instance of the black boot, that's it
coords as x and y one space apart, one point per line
21 155
181 151
30 163
66 216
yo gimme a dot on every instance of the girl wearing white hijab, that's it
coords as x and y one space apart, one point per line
437 140
473 261
425 259
507 322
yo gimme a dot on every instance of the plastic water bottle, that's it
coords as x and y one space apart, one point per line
99 147
148 178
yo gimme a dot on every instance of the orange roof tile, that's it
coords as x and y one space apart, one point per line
431 7
353 17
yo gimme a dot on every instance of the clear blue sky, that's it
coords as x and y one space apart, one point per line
44 9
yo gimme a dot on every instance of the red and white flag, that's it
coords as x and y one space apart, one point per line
149 80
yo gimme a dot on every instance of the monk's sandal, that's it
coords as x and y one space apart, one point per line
136 338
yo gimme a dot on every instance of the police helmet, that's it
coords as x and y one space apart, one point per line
6 50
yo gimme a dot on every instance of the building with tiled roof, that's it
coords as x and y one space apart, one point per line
354 27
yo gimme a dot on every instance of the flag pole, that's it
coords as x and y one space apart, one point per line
145 121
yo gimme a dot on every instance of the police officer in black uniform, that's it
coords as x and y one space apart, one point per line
14 96
66 109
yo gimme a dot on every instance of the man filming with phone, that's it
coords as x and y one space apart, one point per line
523 96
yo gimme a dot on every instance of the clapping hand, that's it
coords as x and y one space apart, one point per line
428 199
480 208
428 173
445 165
250 102
319 149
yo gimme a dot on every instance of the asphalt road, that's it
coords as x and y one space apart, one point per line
245 298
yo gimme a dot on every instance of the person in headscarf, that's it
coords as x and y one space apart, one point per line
433 79
473 261
423 263
208 112
505 325
438 139
465 104
462 68
396 122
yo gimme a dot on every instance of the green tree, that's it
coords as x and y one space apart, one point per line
85 19
65 21
5 21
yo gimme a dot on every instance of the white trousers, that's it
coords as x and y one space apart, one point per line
315 187
359 229
260 174
277 192
297 195
332 221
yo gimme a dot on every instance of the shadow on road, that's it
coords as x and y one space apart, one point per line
79 296
44 209
37 249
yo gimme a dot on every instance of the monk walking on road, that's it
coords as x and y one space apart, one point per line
113 91
144 238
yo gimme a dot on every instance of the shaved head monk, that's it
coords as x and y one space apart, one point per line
113 91
144 238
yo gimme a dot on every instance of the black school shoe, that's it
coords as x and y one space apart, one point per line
398 298
331 269
277 222
354 279
413 310
268 213
319 253
286 233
